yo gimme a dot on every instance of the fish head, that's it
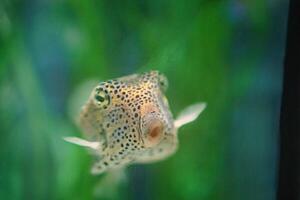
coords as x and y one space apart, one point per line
137 102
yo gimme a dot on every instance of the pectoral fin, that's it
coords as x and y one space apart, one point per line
189 114
83 143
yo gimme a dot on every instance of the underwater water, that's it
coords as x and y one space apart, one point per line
226 53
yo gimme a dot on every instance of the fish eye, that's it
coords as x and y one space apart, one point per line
163 82
101 98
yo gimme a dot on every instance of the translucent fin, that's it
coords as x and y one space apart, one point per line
82 142
189 114
110 184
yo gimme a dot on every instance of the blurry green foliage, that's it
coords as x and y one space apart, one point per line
211 51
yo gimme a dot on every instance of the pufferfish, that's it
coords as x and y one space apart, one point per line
128 120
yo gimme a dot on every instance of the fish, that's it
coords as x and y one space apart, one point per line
127 121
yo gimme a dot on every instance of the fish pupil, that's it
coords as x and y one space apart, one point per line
99 98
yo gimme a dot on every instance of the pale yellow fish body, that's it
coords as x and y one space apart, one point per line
128 120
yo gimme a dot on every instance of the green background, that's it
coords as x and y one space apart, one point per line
226 53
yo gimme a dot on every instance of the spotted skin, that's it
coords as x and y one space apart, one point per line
130 119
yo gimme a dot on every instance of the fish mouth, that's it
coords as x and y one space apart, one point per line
151 133
155 132
150 125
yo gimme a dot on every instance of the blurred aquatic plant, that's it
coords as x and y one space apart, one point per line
228 53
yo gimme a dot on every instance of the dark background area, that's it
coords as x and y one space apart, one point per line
289 165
